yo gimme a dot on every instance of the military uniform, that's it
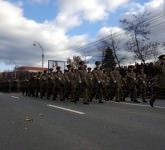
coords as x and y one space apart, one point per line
37 91
106 85
43 80
159 84
141 77
49 85
98 83
24 87
58 88
32 85
116 77
84 83
90 84
68 75
76 86
132 85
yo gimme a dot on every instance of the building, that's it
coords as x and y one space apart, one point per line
21 72
31 69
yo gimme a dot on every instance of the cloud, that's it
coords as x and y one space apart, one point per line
79 12
156 9
109 30
39 1
93 10
62 22
18 33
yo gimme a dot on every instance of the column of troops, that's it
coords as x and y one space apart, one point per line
86 84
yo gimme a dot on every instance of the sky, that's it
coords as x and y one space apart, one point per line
59 28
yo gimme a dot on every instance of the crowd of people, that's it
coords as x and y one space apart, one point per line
136 82
133 83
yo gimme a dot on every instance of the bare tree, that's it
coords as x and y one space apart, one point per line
137 28
163 46
153 49
74 62
114 44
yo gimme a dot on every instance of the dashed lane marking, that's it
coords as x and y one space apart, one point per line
15 97
66 109
127 103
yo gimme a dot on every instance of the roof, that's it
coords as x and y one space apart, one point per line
31 68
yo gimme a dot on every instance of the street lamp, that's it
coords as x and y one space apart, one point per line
35 43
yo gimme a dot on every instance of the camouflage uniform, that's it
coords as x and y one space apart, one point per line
97 83
32 86
84 83
116 77
49 85
90 84
37 91
106 85
58 88
24 87
132 85
76 86
68 74
159 85
141 77
43 80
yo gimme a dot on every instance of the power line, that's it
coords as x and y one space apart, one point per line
97 42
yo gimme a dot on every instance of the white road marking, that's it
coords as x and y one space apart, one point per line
159 107
15 97
127 103
63 108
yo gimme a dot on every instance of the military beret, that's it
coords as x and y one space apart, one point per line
114 64
58 68
81 63
68 66
161 57
97 63
51 69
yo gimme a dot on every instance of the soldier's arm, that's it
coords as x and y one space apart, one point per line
96 76
112 77
158 66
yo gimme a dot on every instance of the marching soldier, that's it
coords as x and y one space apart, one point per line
43 84
132 85
124 86
68 75
106 84
98 84
37 91
24 87
58 84
141 77
76 86
32 85
49 84
90 83
159 84
116 77
83 86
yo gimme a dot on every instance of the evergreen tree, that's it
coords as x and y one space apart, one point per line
108 58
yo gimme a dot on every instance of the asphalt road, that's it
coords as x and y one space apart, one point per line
32 124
